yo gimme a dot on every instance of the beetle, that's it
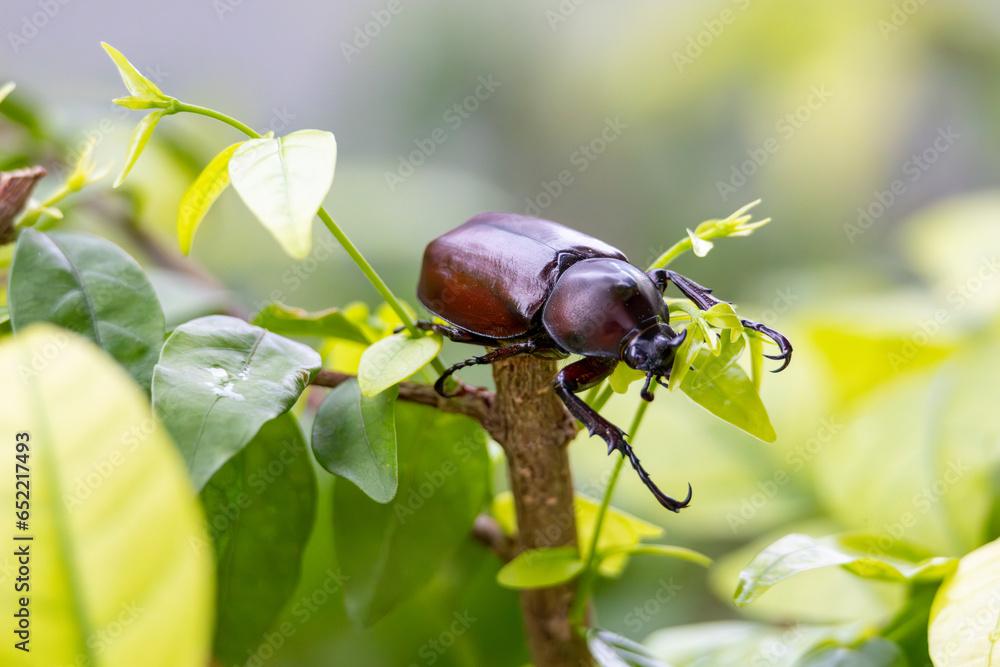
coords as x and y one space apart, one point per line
523 285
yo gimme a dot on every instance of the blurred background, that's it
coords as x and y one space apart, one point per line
869 128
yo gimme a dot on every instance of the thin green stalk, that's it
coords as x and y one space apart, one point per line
373 277
589 575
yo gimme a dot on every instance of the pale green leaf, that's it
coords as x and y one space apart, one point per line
699 246
665 550
541 568
623 376
796 553
140 137
723 315
965 616
284 181
219 380
613 650
137 84
116 577
354 437
6 89
731 396
195 203
393 359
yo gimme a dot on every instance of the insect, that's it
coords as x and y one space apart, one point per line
522 285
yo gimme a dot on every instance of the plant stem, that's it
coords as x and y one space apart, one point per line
589 575
374 278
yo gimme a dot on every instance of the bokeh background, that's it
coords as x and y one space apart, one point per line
869 128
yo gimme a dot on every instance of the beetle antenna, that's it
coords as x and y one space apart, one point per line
646 394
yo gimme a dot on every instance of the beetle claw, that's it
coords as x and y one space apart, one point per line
784 346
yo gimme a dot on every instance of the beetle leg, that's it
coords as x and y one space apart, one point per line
586 373
514 349
702 297
455 334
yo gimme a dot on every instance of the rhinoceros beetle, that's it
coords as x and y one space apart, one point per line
522 285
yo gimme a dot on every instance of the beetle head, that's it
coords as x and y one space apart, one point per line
653 351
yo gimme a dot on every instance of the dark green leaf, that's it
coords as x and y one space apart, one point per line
91 286
288 321
219 380
730 396
354 436
260 508
388 552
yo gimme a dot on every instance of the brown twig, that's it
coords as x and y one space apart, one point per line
488 531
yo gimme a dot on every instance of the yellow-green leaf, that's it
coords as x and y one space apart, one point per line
284 181
393 359
623 376
140 137
6 89
118 575
201 195
541 568
965 616
137 84
699 245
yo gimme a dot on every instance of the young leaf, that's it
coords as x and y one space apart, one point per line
541 568
89 285
112 515
332 323
714 366
795 553
723 316
140 137
195 203
15 192
284 181
731 397
354 437
699 246
219 380
666 550
685 356
389 552
613 650
622 377
965 614
393 359
6 89
260 524
140 87
875 652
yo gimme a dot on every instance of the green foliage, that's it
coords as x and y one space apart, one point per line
260 508
393 359
390 551
111 514
211 182
541 568
354 437
219 380
331 323
88 285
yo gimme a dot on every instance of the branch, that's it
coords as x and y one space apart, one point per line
488 531
470 401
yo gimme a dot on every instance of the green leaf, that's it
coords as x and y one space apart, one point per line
6 89
666 550
723 316
685 356
284 181
612 650
541 568
731 397
699 246
89 285
219 380
114 580
140 87
714 366
289 321
354 437
260 507
140 137
389 552
966 614
211 182
796 553
393 359
5 327
623 376
875 652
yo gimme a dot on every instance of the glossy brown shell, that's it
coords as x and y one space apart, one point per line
492 275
